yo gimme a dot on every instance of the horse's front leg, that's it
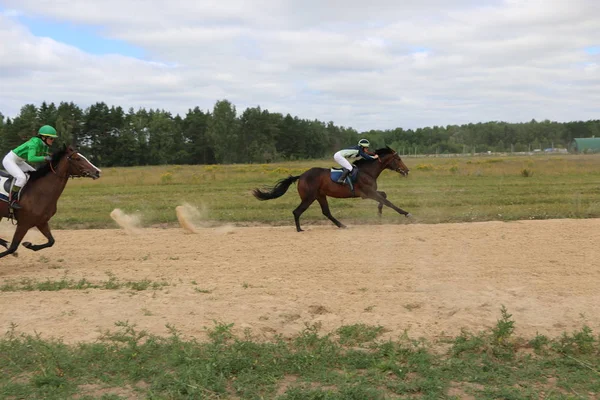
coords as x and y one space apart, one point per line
17 237
45 229
375 195
380 205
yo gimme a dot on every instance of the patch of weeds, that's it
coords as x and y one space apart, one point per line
287 318
424 167
358 333
112 283
198 290
139 285
412 306
504 328
29 285
579 342
220 333
526 173
498 342
467 342
539 343
67 313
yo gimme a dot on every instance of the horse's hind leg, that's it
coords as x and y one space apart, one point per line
306 202
17 237
380 205
45 229
2 241
325 208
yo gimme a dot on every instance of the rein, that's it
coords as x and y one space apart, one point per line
384 166
54 171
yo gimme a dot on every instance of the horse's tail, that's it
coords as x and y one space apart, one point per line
276 191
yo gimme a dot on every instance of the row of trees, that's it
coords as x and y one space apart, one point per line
110 136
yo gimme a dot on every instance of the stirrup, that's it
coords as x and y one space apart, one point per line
342 180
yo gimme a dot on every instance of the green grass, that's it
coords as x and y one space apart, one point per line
437 190
352 363
31 284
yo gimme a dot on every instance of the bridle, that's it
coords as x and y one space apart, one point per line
69 175
386 163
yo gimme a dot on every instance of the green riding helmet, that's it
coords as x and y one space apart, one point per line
363 143
47 130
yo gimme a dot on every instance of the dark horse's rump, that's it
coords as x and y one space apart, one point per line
315 184
40 195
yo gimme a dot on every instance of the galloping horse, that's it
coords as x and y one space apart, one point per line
317 184
40 196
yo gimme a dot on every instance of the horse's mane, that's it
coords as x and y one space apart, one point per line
45 169
380 152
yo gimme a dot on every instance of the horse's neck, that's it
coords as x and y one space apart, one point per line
373 169
53 184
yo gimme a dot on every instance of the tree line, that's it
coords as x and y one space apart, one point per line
111 136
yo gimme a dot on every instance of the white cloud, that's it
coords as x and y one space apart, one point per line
380 64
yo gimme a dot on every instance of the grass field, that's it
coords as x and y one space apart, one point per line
437 190
350 363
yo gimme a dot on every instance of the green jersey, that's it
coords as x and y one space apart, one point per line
34 150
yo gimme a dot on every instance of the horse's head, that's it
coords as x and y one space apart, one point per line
79 166
391 160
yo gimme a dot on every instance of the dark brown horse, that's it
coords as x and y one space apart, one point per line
316 184
40 196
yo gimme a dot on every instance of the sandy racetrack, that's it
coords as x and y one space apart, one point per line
430 280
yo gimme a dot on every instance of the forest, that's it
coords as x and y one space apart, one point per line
112 136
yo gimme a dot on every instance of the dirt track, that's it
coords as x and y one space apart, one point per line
431 280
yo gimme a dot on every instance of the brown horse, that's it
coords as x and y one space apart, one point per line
316 184
40 196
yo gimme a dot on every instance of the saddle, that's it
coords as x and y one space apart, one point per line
335 174
6 183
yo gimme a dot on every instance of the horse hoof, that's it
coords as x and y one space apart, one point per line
408 215
27 245
343 226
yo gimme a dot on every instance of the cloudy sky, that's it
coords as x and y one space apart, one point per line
376 64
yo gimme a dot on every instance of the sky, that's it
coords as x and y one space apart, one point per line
379 64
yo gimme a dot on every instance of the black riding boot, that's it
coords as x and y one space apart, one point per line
344 175
14 198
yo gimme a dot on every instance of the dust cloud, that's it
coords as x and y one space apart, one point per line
129 223
192 219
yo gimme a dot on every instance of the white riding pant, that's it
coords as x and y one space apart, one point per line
16 166
340 159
